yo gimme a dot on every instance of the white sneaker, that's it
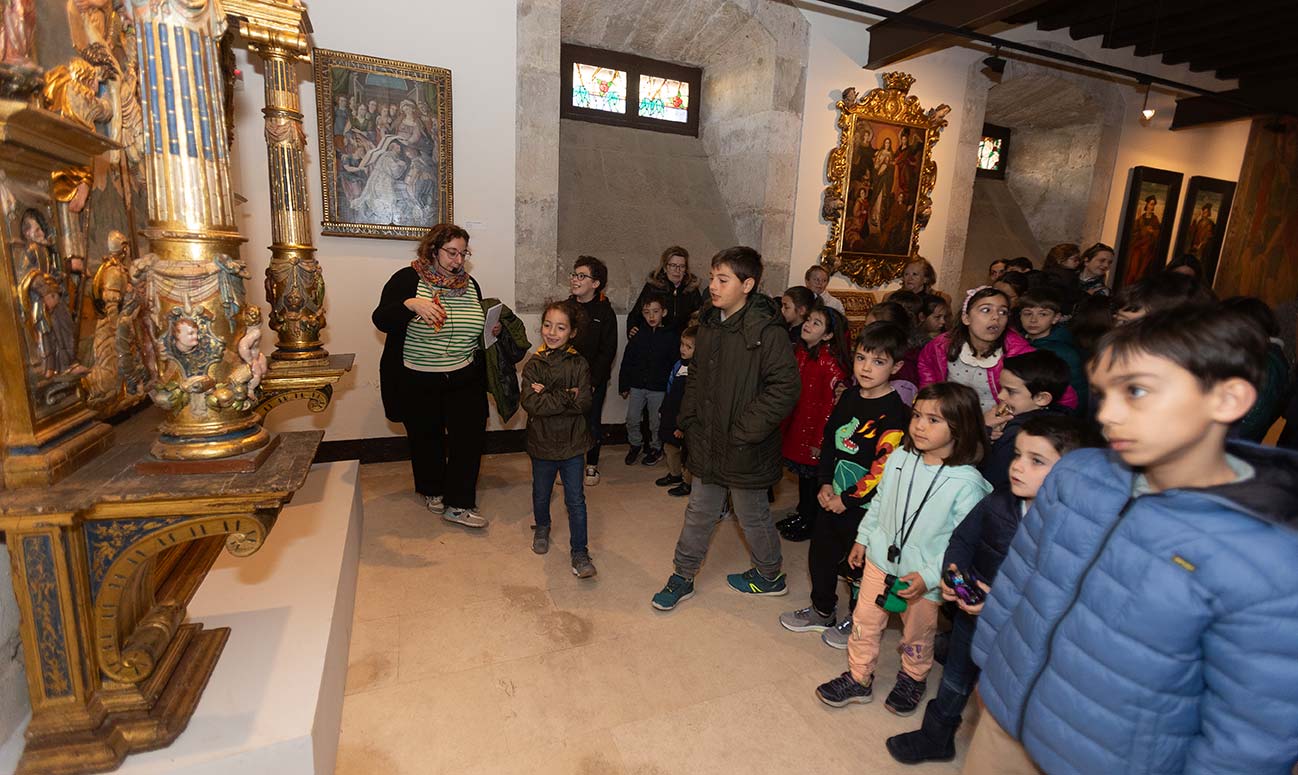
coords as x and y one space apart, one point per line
434 504
466 517
592 476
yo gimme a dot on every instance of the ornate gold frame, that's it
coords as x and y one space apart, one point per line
893 105
324 61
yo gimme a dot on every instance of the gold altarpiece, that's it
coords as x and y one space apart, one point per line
109 543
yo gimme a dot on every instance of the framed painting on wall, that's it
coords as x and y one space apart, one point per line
881 178
385 145
1207 208
1147 220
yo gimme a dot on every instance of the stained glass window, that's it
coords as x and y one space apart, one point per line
664 98
989 153
598 88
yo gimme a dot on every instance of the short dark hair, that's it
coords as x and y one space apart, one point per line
930 303
654 298
436 237
802 296
1041 297
909 301
1189 261
994 263
1258 310
745 262
1212 342
1042 371
571 309
1020 263
1064 433
1165 290
806 276
959 406
891 312
1016 280
690 332
598 269
883 337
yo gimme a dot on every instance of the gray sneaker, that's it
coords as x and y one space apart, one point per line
540 538
837 635
434 504
582 567
806 620
466 517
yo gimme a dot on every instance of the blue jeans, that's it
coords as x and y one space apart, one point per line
639 400
570 471
959 674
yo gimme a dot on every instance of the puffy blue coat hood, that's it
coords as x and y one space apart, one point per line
1155 634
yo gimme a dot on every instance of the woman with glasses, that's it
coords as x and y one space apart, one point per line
433 375
673 281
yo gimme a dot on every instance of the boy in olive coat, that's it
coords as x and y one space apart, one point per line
743 382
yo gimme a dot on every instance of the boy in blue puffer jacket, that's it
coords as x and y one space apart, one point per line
1146 618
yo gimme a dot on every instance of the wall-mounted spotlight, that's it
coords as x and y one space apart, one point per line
995 65
1146 112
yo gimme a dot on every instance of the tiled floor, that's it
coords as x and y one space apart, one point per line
471 655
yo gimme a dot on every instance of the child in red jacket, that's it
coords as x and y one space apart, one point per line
822 352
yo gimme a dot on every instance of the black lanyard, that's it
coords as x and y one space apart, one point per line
903 532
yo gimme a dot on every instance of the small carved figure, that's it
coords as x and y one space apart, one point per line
19 33
250 351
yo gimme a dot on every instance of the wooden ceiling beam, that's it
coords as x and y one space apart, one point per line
1249 102
893 40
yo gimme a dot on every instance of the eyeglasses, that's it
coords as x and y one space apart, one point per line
675 266
465 254
580 276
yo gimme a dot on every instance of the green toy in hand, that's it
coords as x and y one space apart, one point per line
889 601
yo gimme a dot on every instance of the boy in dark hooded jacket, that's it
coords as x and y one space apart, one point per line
743 382
597 343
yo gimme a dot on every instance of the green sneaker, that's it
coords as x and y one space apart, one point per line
678 588
750 582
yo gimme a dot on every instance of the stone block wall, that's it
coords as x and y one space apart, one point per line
536 152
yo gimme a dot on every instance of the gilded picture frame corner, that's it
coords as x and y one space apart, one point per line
849 250
337 207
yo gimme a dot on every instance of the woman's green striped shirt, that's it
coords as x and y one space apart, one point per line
453 347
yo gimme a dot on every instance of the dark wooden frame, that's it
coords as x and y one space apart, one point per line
634 66
1212 251
1139 176
1001 133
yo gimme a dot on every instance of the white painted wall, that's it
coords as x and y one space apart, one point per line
839 42
476 41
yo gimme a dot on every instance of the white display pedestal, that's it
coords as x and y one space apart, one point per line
274 702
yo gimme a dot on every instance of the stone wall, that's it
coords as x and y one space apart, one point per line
536 153
14 703
624 196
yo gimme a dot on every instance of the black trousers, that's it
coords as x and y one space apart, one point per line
832 536
446 424
808 502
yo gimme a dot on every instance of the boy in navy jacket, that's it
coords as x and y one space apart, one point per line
1146 618
646 364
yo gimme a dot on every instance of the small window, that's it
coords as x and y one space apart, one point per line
993 151
608 87
598 88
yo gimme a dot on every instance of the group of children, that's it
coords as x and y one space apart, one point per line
1126 609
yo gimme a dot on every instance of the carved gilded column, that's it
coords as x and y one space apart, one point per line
195 278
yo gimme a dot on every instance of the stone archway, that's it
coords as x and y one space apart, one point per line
1068 124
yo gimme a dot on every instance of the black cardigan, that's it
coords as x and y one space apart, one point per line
392 317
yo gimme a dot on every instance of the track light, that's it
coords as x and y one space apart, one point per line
1146 112
994 64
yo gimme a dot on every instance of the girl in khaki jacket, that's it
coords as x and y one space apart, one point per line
556 396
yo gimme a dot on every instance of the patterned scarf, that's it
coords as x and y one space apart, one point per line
449 285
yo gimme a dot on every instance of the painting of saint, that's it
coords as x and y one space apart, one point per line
385 129
882 187
1200 234
1146 230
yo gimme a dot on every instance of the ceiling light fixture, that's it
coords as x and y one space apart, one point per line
1146 112
994 64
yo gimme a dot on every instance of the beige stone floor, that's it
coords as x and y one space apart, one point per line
471 655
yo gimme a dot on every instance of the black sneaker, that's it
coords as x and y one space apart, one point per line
797 530
669 480
789 519
540 538
680 491
631 455
845 690
905 696
652 457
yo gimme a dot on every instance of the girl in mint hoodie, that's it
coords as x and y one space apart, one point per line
928 487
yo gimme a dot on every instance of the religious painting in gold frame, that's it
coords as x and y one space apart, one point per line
881 178
385 145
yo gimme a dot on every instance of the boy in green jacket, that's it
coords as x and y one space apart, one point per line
743 382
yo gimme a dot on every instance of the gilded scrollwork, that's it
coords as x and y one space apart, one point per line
47 614
881 178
